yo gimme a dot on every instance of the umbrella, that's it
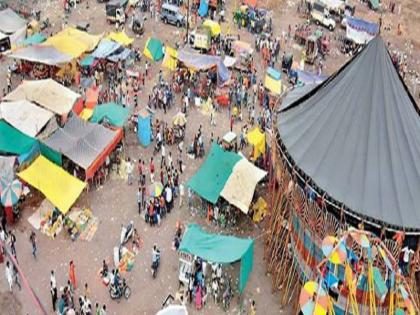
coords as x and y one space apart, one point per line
313 300
10 194
155 189
179 119
336 254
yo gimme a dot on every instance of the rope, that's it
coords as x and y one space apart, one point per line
25 281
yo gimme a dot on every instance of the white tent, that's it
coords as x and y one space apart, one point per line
46 93
173 310
12 25
25 116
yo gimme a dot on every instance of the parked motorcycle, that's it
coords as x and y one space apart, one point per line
126 233
122 290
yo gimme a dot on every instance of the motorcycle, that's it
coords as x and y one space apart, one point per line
126 233
155 263
122 290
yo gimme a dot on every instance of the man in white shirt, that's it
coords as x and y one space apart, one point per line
53 281
407 252
9 275
181 194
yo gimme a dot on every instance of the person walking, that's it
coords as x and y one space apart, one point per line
103 310
253 309
181 194
130 169
12 243
72 275
139 199
152 170
32 239
9 275
53 281
54 297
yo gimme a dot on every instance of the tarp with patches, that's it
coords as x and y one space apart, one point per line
47 55
105 48
46 93
25 116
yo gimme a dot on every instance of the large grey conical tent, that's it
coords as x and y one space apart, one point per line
357 138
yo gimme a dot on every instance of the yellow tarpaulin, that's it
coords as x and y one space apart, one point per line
257 139
86 113
58 186
121 38
170 61
213 26
272 85
73 42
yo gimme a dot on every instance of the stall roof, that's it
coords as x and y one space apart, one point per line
105 48
25 116
220 249
213 174
47 55
357 136
58 186
46 93
73 42
82 142
114 113
10 21
12 141
240 186
7 164
121 38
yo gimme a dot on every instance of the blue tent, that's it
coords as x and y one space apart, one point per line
204 8
144 130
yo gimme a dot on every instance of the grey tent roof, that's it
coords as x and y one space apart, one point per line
295 94
10 21
81 141
357 136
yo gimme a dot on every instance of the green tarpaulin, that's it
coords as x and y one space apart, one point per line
114 113
87 61
220 249
13 141
34 39
51 154
374 4
153 49
213 174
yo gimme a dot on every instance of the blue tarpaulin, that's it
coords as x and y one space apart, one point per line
144 130
276 75
87 61
105 48
124 54
36 38
362 25
204 62
310 78
204 8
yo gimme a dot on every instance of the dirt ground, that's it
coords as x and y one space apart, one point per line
115 203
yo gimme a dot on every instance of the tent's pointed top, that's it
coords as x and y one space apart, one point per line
357 136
